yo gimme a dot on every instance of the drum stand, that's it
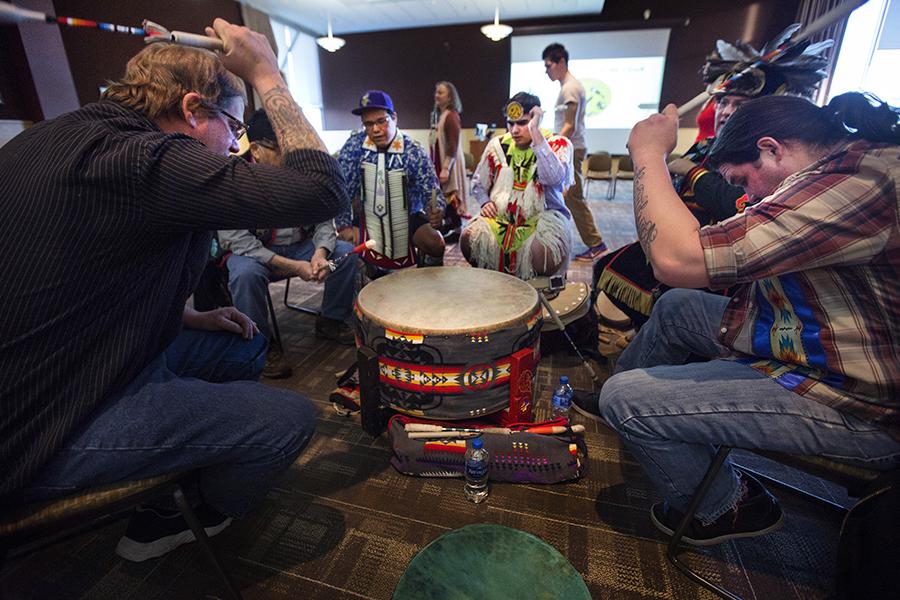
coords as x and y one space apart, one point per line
554 284
373 414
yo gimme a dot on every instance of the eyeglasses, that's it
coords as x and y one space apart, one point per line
238 128
380 122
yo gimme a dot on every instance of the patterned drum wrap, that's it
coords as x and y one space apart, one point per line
453 342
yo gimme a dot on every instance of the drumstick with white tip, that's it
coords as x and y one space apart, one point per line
158 33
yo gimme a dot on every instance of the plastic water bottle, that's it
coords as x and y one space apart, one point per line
477 460
562 398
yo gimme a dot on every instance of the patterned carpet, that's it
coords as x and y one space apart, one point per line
343 524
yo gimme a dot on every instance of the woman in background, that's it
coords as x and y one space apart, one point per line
447 155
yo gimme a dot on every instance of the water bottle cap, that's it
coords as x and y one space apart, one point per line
564 379
477 443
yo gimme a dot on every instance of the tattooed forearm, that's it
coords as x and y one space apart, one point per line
292 129
646 229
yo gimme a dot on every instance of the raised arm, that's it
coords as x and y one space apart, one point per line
249 55
668 232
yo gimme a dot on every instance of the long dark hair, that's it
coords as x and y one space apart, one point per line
849 116
455 102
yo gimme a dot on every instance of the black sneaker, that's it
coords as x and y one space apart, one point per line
756 513
587 404
154 532
275 367
332 329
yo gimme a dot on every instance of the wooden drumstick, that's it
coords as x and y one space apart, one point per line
565 333
554 429
425 435
419 427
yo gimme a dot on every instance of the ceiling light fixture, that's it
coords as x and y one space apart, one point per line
496 31
329 42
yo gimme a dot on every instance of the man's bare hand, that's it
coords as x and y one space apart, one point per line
319 267
247 54
435 217
655 136
534 125
489 209
227 318
303 269
444 175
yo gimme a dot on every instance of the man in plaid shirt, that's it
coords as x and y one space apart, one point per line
804 347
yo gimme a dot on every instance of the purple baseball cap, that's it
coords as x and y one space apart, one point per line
374 99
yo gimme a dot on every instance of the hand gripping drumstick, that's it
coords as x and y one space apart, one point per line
158 33
832 16
333 264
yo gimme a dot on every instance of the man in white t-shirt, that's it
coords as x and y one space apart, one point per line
569 122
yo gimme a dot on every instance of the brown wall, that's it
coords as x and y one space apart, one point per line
97 56
407 64
20 101
94 56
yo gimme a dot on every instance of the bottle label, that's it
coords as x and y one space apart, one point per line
476 468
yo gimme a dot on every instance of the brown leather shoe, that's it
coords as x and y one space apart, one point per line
275 367
332 329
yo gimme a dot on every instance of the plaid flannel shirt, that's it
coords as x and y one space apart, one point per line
817 302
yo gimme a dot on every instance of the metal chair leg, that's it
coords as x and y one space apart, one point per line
672 550
786 486
276 333
188 513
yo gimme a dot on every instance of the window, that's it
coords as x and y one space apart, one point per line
870 52
298 59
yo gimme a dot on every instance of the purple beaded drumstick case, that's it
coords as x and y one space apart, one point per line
517 455
452 342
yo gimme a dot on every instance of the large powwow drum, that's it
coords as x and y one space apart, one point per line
453 342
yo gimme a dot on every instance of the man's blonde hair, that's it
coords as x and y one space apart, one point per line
158 77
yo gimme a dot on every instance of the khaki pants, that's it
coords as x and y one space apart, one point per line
578 206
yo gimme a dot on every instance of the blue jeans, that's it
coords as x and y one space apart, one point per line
670 415
189 409
248 281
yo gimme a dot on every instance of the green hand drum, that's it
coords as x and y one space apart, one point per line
490 562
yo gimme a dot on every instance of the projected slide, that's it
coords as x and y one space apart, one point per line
621 72
620 91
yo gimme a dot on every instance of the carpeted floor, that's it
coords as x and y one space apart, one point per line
343 524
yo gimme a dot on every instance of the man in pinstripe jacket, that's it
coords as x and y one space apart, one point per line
105 374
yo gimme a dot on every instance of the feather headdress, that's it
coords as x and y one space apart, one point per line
795 71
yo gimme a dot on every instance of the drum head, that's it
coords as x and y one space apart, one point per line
570 304
490 561
447 300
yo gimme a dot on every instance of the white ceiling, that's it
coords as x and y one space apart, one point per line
355 16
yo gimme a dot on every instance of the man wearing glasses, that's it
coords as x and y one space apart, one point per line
106 375
400 200
259 256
